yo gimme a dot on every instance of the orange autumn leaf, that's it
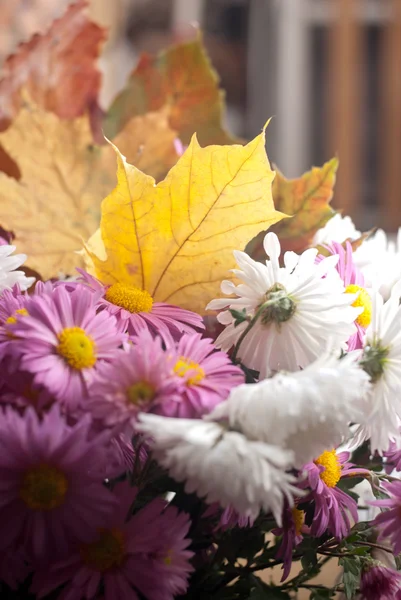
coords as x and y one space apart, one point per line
176 239
64 177
57 68
307 200
181 78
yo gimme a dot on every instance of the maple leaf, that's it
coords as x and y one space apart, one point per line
58 69
64 177
307 201
176 239
182 78
56 203
148 143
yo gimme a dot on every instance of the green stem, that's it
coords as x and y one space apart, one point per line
249 327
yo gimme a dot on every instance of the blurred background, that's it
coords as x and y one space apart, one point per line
328 71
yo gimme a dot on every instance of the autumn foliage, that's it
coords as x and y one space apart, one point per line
56 168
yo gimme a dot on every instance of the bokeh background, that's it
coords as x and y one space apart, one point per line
328 71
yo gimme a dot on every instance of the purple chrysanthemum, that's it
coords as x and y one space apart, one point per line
379 583
354 282
333 507
207 376
63 341
145 555
140 378
388 522
135 309
291 532
51 482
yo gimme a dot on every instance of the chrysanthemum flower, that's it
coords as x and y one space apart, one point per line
51 482
388 522
140 378
333 507
381 359
222 466
12 307
354 283
291 532
8 275
14 567
135 309
20 390
146 554
299 307
207 376
379 260
304 411
337 229
378 582
63 341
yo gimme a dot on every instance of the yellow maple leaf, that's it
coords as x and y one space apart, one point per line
55 205
176 239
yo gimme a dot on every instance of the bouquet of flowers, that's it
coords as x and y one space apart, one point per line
200 393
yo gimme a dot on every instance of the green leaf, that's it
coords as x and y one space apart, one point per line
351 575
309 560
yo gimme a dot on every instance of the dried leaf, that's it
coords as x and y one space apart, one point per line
57 68
307 199
176 239
56 204
148 143
182 78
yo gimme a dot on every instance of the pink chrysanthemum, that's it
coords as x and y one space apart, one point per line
135 309
12 307
379 583
333 507
354 282
393 458
20 390
227 518
145 555
291 532
51 482
14 567
388 522
140 378
207 376
63 341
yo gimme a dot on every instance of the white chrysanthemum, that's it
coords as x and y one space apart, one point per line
309 307
306 412
382 361
8 276
222 466
337 229
379 260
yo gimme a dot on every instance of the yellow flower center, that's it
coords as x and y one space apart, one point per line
19 312
43 487
183 365
129 297
140 393
107 552
168 558
77 348
362 301
299 519
332 468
